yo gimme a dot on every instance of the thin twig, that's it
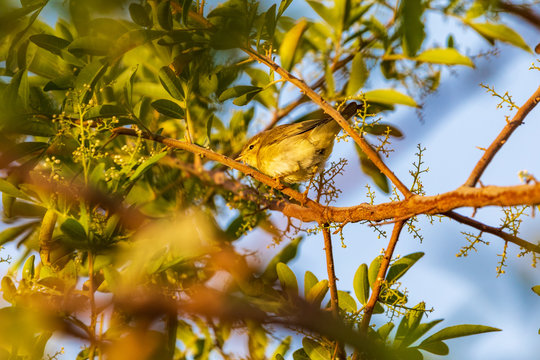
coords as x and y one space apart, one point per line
502 138
370 306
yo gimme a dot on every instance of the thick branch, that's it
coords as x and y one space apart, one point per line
415 205
523 11
501 139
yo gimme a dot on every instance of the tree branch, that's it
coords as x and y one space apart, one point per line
334 302
501 139
414 205
368 309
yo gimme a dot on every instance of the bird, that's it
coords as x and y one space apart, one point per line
294 153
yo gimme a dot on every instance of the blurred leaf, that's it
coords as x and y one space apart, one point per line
74 230
146 165
499 32
140 15
385 330
300 354
284 256
315 350
270 20
389 96
444 56
104 111
132 39
168 108
346 302
435 347
282 349
310 280
536 289
11 233
361 284
452 332
283 5
328 15
358 76
87 79
90 45
402 265
290 44
287 278
317 293
51 43
238 91
171 83
412 26
8 188
186 6
164 15
28 268
9 291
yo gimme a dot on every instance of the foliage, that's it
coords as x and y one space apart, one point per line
122 238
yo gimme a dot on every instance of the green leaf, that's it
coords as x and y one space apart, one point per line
146 165
186 5
358 76
374 270
132 39
361 284
28 268
104 111
499 32
385 329
270 20
421 329
317 293
284 256
412 27
51 43
11 233
8 188
452 332
9 291
90 45
436 347
171 83
283 5
168 108
444 56
139 15
536 289
300 354
389 96
73 229
238 91
287 278
315 351
290 44
310 280
328 15
87 79
370 169
346 302
246 98
164 15
401 266
382 129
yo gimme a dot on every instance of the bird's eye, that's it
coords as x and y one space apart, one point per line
251 147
